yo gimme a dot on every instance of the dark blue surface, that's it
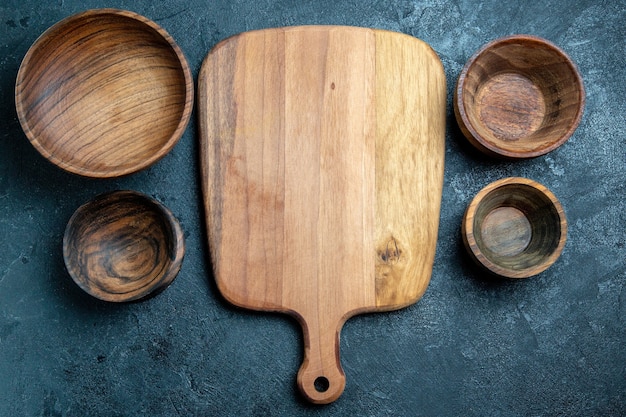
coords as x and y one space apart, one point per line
551 345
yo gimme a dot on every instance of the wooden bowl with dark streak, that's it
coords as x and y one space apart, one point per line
104 93
515 228
519 97
123 246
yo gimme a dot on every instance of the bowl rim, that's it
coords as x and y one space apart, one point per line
175 235
148 24
488 147
472 247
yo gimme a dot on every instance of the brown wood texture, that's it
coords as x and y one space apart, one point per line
519 97
515 228
322 155
104 93
123 246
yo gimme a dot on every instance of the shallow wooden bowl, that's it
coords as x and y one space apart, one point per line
104 93
123 246
519 97
515 228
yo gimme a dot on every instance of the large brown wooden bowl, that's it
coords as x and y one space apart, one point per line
104 93
515 228
123 246
519 97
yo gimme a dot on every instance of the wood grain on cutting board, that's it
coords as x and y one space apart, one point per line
322 152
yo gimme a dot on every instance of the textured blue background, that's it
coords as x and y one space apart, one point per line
472 346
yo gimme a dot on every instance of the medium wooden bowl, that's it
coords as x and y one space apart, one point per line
122 246
104 93
515 228
519 97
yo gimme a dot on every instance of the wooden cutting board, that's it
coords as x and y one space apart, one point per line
322 156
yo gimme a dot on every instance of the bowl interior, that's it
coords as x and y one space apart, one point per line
522 96
517 227
121 247
104 93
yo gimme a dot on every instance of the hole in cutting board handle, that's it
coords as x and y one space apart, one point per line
321 384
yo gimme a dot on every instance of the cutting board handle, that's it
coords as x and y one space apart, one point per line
321 378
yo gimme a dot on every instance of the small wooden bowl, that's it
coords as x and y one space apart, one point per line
122 246
519 97
515 228
104 93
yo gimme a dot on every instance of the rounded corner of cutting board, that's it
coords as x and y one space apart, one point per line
207 61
